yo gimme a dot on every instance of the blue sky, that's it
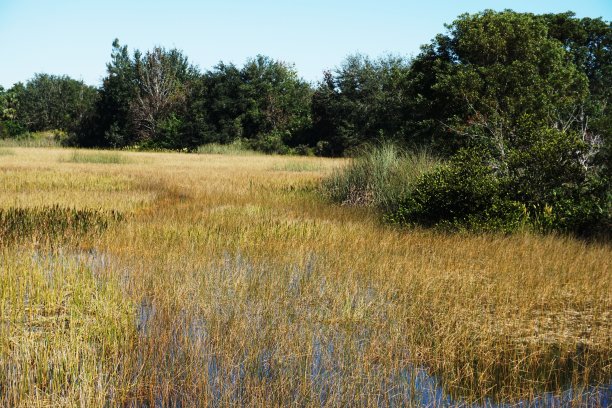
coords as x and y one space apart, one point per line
74 37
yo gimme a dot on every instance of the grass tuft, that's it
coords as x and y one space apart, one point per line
379 177
235 149
97 158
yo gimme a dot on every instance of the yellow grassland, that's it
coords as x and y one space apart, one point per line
231 282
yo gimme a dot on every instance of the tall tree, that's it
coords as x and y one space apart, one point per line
52 102
489 71
141 99
362 100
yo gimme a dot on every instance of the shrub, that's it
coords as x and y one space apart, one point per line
543 181
463 194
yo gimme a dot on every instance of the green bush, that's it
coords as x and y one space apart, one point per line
543 180
463 194
10 128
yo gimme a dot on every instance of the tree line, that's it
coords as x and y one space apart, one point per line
485 77
516 105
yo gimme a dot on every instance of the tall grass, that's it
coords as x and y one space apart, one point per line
52 223
49 138
236 148
224 287
380 176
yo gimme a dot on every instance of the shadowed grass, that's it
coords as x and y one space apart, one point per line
53 223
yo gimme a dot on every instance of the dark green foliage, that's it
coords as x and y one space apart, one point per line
515 93
544 183
143 100
362 101
264 103
159 100
52 223
487 72
9 126
49 102
464 193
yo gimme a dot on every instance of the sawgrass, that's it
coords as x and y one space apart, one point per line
231 284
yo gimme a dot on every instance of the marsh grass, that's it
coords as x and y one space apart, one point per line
6 152
227 288
63 333
297 165
379 176
53 223
234 149
97 157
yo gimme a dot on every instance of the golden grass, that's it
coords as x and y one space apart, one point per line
231 282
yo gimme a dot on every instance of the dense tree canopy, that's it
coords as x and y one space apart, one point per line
363 100
46 102
264 103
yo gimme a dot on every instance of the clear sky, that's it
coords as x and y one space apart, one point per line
74 37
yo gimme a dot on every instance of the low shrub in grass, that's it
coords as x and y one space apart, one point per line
380 176
462 194
543 183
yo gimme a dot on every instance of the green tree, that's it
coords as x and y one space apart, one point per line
142 100
264 102
490 70
361 101
52 102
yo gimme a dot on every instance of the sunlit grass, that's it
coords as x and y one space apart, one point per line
235 149
297 165
231 282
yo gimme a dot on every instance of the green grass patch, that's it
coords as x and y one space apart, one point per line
97 158
53 223
235 149
297 166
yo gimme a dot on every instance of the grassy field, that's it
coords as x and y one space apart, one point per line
226 280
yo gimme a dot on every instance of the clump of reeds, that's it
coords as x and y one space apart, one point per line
53 222
237 148
379 176
97 157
